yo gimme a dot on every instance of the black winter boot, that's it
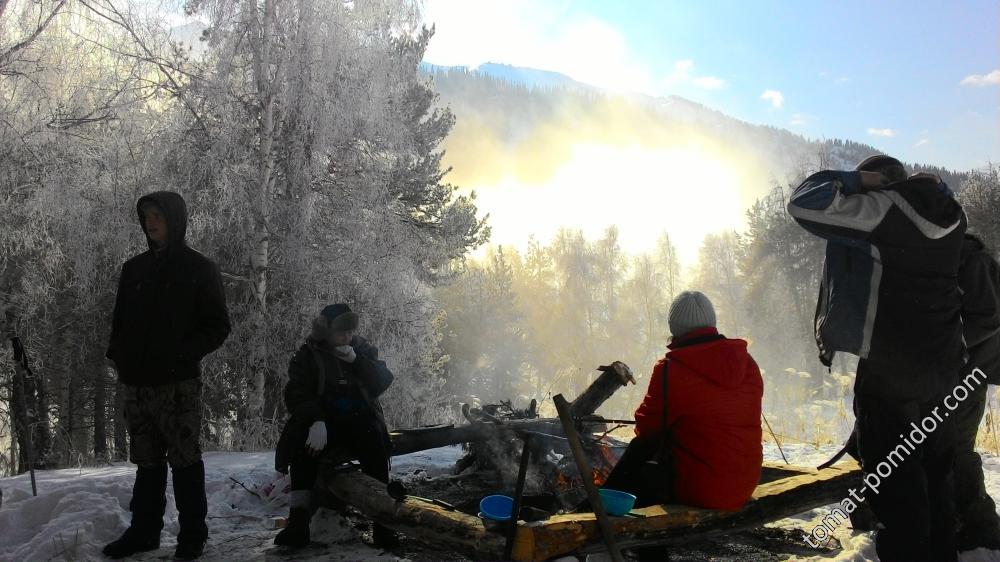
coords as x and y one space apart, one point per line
384 537
296 532
192 508
148 504
973 536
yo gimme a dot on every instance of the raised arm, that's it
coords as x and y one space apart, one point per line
836 206
375 373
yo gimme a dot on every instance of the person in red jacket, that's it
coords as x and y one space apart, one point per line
708 441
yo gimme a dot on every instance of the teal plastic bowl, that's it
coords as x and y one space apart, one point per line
497 507
616 502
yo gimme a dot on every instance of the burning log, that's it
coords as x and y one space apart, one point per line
612 377
411 441
486 424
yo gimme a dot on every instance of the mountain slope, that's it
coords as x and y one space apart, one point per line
505 109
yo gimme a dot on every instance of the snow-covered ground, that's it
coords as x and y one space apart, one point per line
77 511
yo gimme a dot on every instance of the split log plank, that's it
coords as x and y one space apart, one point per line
578 532
675 524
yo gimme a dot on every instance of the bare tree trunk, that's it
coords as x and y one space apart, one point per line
24 412
70 414
100 412
20 420
42 435
121 442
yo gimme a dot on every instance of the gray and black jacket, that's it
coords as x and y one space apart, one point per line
889 292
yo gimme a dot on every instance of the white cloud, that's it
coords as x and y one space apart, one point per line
982 79
799 119
882 132
680 73
921 142
547 36
683 73
534 34
710 82
776 98
838 80
683 67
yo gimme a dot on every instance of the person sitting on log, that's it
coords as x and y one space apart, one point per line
698 434
334 381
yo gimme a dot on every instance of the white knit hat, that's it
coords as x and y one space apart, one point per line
689 311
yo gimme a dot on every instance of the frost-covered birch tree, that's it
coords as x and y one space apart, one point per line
313 171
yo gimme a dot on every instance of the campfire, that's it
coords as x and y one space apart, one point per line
552 471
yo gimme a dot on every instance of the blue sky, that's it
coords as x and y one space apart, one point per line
919 80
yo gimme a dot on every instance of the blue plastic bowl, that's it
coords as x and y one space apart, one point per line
497 507
616 502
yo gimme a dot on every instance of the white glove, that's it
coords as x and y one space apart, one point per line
317 437
346 353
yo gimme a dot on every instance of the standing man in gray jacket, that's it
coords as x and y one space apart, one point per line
890 295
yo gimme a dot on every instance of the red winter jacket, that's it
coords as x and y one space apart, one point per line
714 392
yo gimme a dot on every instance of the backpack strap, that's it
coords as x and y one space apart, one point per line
663 424
663 449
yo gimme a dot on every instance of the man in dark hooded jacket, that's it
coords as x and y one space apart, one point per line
979 279
170 311
334 381
890 295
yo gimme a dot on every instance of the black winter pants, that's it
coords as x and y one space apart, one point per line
361 435
976 510
650 484
910 489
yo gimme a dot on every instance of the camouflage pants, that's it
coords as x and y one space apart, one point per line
164 423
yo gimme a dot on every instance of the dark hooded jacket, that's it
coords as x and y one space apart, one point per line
979 280
889 292
713 407
323 387
170 309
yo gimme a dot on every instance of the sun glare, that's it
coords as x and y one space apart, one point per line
685 190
